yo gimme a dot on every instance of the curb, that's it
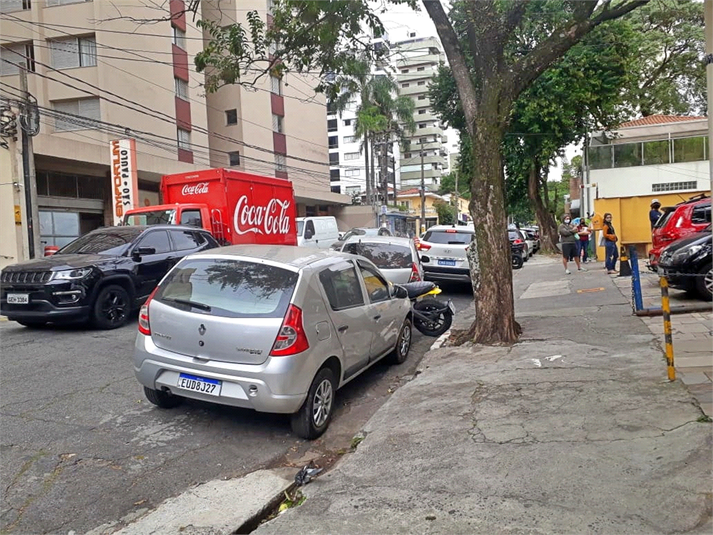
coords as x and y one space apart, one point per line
440 340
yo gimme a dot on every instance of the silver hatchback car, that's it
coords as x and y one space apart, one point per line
273 328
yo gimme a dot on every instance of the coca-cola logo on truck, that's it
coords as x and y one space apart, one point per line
271 218
195 189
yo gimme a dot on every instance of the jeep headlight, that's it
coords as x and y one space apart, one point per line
71 274
681 256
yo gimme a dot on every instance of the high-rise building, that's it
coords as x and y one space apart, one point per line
98 75
416 61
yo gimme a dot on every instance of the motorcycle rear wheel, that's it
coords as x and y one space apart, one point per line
441 321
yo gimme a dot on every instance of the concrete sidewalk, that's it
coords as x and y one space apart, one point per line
692 336
573 430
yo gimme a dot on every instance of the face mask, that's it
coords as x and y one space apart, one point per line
567 221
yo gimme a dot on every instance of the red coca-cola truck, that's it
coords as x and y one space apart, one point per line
236 207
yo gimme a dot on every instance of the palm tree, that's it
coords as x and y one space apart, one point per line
380 116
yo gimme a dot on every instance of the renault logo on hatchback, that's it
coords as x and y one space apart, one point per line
201 330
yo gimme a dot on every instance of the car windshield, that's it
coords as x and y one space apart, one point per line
112 241
449 237
228 288
383 255
157 217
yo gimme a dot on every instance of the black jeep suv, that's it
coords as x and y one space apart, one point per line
686 263
100 277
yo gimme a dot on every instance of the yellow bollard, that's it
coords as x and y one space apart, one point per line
666 308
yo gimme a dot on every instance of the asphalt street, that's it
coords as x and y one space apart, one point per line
82 447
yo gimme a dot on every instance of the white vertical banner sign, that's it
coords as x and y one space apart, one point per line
124 177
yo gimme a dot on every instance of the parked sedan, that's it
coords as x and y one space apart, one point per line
100 277
360 232
273 328
686 263
397 258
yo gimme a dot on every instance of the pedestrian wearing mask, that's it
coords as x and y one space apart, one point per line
654 213
611 254
583 232
568 239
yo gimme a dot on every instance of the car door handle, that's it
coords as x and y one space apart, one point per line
343 328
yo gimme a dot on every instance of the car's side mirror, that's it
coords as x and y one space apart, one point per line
400 292
142 251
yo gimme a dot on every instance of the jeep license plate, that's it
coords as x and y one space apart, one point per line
202 385
18 299
446 262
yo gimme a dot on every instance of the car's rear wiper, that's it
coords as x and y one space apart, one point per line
186 302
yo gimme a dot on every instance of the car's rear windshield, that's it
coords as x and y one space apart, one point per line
384 255
449 237
514 235
663 219
229 288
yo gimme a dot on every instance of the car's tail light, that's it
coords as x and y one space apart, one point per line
292 338
415 275
423 246
517 242
144 325
451 231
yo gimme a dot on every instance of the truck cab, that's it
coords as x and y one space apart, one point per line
193 215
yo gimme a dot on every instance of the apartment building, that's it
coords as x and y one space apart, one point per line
416 61
98 75
347 158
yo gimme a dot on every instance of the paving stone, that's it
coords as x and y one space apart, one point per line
695 378
707 409
683 362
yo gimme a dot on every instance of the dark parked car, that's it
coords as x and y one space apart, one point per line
686 263
677 222
100 277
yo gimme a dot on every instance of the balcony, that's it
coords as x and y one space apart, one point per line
413 89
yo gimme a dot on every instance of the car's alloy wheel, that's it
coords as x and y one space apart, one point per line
403 344
316 412
704 282
322 404
111 309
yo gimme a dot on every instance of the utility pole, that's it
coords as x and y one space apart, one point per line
456 194
29 126
423 199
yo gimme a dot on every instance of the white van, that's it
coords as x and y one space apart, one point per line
320 232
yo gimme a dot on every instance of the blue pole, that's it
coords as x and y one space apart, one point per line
635 280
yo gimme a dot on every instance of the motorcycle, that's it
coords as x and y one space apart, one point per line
430 316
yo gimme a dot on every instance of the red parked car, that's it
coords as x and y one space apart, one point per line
676 222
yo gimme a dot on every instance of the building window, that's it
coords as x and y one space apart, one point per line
181 88
231 117
332 125
349 139
280 163
73 52
405 85
674 186
352 172
404 71
179 38
333 142
347 122
333 158
81 114
407 155
689 149
277 125
422 82
421 69
335 189
422 112
422 125
12 57
422 97
233 158
351 156
275 85
334 175
8 6
184 139
51 3
423 140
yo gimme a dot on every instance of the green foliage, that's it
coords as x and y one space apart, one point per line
448 185
446 213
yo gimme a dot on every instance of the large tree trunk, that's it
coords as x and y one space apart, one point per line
489 255
548 227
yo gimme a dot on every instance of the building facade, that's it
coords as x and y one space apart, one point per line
661 156
416 61
98 77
